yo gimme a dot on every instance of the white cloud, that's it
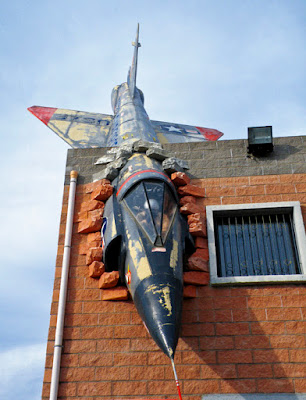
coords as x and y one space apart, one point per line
21 371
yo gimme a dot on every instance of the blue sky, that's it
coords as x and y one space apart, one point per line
224 64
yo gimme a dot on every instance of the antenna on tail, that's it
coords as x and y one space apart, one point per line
131 79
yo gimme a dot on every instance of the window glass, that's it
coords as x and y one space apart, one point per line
170 207
262 244
153 206
136 201
155 195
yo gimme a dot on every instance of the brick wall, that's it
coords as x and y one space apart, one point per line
233 340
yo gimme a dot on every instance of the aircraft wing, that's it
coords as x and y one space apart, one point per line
168 132
79 129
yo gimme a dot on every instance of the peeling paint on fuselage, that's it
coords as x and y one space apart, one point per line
174 254
164 296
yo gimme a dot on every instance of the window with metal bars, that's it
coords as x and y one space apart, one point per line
256 242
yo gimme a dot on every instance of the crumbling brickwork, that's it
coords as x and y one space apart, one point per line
234 339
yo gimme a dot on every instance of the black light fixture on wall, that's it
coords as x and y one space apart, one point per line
260 140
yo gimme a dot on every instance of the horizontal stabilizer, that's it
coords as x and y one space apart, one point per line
79 129
168 132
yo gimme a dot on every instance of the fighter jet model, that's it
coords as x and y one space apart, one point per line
144 235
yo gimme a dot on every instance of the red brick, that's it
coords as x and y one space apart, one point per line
83 248
95 359
129 331
280 189
236 200
220 191
196 278
275 386
190 208
215 343
83 294
96 269
234 181
108 279
189 291
198 330
79 346
180 178
131 359
223 316
192 372
232 302
116 293
250 190
198 229
129 389
206 316
238 386
284 314
226 371
263 180
300 187
301 197
267 328
252 342
91 205
197 262
158 358
287 341
255 371
93 254
96 214
92 237
290 370
264 301
90 187
113 373
289 178
187 200
300 385
113 318
207 357
94 389
201 386
90 225
147 372
77 374
143 344
72 333
294 300
67 389
100 332
197 217
234 356
81 319
234 328
206 182
191 190
201 242
271 356
267 198
113 345
297 355
102 193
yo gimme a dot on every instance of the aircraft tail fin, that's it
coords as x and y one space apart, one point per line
131 79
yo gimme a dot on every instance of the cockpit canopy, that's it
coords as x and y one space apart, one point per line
153 207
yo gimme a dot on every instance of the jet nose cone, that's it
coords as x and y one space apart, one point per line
158 300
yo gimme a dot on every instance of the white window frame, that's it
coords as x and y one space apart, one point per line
300 237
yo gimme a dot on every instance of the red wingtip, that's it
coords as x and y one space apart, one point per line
42 113
210 134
